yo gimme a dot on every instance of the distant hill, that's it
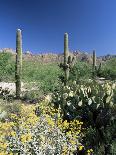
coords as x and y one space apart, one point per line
8 50
51 57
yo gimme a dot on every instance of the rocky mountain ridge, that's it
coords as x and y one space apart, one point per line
52 57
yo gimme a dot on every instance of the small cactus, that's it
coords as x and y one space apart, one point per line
68 60
18 66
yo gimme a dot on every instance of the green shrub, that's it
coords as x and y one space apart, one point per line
109 69
31 95
46 75
81 70
7 108
7 67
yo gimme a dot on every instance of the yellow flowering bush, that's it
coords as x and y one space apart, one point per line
39 129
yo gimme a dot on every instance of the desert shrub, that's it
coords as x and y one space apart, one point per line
109 69
6 95
32 96
45 74
81 70
7 108
7 67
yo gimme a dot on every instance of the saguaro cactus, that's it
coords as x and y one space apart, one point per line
18 67
66 55
94 63
67 65
94 59
96 69
68 60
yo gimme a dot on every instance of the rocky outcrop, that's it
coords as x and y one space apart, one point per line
28 53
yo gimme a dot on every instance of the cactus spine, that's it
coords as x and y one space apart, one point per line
18 66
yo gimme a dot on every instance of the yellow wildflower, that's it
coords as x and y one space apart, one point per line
50 121
89 151
3 145
81 147
3 153
73 142
68 133
26 138
13 133
65 124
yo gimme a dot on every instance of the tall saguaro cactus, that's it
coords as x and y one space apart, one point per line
96 69
18 67
68 60
67 65
66 55
94 59
94 63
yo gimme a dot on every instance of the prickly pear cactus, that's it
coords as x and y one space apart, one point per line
18 67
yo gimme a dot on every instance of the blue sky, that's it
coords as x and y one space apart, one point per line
91 24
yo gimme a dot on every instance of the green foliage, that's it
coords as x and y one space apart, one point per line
113 148
32 96
46 75
7 109
81 70
7 67
109 69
